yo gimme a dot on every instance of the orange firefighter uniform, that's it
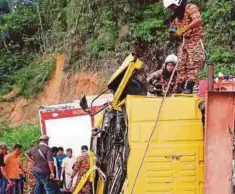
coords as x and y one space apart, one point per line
30 177
158 82
82 165
192 58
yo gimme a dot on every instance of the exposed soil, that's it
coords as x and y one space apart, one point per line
62 88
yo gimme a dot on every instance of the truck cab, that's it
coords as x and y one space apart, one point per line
159 144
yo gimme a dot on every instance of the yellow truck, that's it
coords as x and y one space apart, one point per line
147 145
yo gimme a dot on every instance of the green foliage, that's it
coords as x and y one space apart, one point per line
4 89
221 56
219 18
9 64
25 135
52 16
92 30
24 71
223 61
106 36
19 28
30 79
148 22
98 29
147 29
20 43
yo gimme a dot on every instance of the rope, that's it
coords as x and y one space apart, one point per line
157 120
203 47
206 53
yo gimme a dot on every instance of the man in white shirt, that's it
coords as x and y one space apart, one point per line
67 168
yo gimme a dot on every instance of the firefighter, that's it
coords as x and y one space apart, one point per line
159 80
186 24
81 166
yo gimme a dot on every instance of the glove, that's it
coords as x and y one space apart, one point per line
181 31
153 81
173 30
154 90
158 85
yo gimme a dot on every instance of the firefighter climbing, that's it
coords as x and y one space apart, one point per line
186 24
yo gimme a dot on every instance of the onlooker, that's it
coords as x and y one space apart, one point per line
60 156
43 168
3 181
82 165
54 152
67 169
22 180
11 170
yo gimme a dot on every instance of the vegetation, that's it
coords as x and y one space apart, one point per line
25 135
30 79
20 48
90 31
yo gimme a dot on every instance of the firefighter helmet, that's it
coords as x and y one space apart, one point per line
168 3
170 59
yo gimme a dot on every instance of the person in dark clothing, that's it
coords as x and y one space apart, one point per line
22 181
3 181
60 157
43 168
54 152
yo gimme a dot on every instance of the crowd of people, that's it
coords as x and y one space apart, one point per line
48 170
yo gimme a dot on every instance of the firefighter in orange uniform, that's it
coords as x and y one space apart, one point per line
81 166
186 23
159 80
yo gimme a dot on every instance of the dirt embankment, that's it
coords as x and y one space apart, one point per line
62 88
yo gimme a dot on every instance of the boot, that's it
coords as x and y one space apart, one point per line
188 87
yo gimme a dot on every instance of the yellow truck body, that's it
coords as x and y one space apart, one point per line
175 161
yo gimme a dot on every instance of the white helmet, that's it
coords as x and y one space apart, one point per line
171 59
168 3
220 74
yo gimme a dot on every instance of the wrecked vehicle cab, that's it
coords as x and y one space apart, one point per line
174 162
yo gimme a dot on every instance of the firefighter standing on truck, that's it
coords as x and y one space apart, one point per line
159 80
186 23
